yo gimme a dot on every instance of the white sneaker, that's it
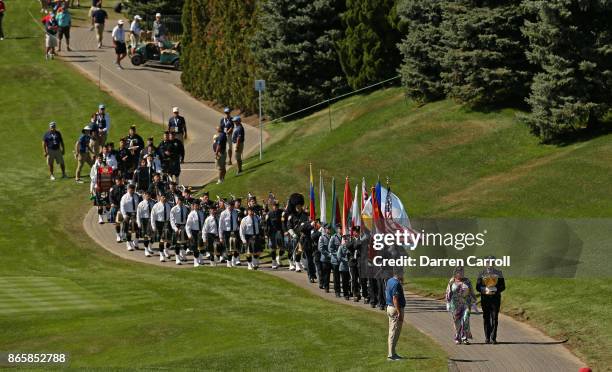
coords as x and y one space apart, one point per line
147 252
162 258
52 178
165 253
274 265
196 263
135 244
207 255
219 182
100 219
178 261
278 261
250 265
118 238
182 255
238 263
298 267
129 246
291 267
78 180
188 251
229 264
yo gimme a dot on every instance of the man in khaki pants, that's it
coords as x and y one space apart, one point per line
396 302
238 141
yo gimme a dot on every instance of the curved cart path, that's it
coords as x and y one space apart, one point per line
153 92
521 348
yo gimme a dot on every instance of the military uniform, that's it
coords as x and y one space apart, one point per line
323 248
274 229
343 256
334 246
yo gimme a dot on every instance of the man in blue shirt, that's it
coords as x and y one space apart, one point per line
83 152
227 125
396 302
53 147
238 141
99 17
220 147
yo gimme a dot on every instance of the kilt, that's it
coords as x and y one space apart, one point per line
276 240
180 236
210 242
129 223
101 199
254 244
145 228
196 239
162 231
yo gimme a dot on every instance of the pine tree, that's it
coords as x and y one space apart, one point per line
422 49
484 61
150 7
294 46
571 41
368 49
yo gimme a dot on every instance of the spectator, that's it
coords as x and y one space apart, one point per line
135 31
95 4
118 36
53 147
238 141
177 125
64 22
220 147
159 31
83 152
99 17
50 36
2 10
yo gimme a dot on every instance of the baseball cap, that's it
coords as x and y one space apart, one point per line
157 14
138 17
226 110
236 118
87 127
101 106
175 109
52 124
120 22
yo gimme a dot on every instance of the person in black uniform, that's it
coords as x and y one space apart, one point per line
297 227
123 160
177 125
206 203
274 229
353 247
315 234
142 177
164 150
157 187
490 285
115 195
177 157
136 144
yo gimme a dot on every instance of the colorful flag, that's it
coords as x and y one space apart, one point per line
356 210
346 207
364 193
312 196
322 202
378 195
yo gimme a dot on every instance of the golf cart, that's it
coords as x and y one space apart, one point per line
151 54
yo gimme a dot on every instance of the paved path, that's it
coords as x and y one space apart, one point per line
153 92
522 348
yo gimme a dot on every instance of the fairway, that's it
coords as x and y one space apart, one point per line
60 291
446 161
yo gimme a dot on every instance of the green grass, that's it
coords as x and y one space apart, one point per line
62 292
445 161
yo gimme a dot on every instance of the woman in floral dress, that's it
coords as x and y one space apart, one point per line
460 298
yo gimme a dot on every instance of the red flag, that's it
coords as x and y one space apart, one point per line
346 207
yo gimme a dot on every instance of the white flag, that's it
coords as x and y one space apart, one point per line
322 202
356 212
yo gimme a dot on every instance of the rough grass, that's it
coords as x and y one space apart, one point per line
61 292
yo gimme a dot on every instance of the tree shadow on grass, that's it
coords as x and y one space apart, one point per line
253 168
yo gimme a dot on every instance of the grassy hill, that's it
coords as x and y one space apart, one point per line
61 292
446 161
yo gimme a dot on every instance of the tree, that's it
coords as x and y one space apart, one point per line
294 47
368 49
150 7
484 61
571 40
421 49
218 64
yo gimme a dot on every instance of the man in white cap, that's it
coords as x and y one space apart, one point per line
135 31
83 152
102 123
159 31
177 125
227 125
53 147
119 43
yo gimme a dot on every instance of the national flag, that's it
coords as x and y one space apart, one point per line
356 210
364 193
346 207
388 210
322 202
312 196
378 195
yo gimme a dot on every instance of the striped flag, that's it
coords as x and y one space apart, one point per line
322 202
312 196
346 207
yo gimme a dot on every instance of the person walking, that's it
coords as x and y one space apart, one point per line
51 28
83 152
334 245
396 302
460 299
53 148
490 284
118 36
129 207
220 148
159 31
99 17
177 125
64 22
193 228
238 142
103 121
135 32
2 11
343 266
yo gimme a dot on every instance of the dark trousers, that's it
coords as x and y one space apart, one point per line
1 30
325 273
310 265
193 242
381 284
355 287
346 283
336 271
210 244
373 291
490 311
363 283
319 269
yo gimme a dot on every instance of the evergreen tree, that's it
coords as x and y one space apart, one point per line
368 49
150 7
422 49
294 47
484 61
571 41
